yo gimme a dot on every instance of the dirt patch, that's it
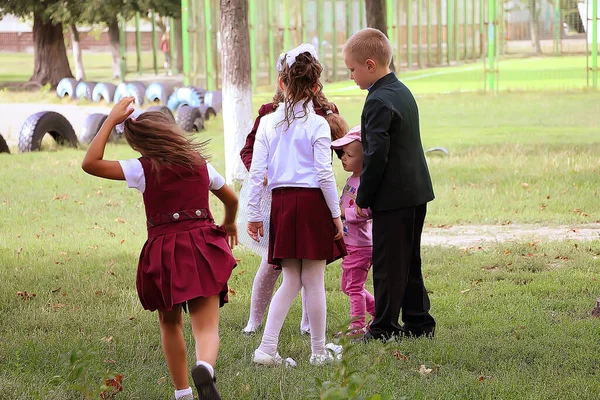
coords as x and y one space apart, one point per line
474 235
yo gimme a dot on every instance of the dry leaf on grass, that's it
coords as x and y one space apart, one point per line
424 371
399 355
465 291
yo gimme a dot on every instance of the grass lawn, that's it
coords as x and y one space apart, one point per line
513 319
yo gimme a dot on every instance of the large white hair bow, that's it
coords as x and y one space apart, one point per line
290 57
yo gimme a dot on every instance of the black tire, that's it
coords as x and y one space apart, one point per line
37 125
104 91
163 109
66 87
190 119
137 90
3 146
84 90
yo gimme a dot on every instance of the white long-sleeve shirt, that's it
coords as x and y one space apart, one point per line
298 156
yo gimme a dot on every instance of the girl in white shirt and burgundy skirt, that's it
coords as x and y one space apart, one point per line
293 147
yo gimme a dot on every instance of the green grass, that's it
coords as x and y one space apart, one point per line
513 319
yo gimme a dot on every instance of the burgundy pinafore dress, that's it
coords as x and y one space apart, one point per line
186 255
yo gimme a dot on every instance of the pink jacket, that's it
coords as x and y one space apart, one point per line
357 230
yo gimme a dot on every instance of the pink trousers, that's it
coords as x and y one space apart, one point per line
356 266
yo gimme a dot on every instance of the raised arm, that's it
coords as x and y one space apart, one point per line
94 162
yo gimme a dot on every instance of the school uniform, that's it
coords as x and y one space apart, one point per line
300 177
396 185
186 255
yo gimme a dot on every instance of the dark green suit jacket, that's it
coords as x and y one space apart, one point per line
395 173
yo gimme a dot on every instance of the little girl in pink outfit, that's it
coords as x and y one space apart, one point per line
357 234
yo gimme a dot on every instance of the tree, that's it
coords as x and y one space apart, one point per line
376 18
237 87
50 54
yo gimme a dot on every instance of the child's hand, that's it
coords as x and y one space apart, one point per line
232 237
360 212
339 227
255 230
121 110
343 212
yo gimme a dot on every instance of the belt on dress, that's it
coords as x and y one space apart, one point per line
193 213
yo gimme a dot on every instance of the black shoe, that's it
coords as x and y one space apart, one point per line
205 384
419 332
369 336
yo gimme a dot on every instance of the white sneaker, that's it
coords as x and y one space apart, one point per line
320 359
336 349
262 358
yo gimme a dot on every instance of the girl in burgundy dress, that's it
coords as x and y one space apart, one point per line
266 276
293 147
187 259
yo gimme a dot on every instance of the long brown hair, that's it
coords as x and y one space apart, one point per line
319 100
156 137
300 80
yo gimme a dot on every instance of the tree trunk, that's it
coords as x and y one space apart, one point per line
115 47
50 54
178 45
535 26
376 18
237 88
77 57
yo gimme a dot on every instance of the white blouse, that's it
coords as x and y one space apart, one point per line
298 156
135 178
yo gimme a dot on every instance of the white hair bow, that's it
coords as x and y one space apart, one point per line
290 56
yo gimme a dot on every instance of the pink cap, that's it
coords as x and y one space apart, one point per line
352 136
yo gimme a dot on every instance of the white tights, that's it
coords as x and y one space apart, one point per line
262 291
298 274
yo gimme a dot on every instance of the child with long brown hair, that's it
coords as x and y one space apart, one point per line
293 146
187 259
267 275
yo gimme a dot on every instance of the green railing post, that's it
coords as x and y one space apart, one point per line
210 77
154 60
492 24
429 33
348 18
122 45
138 43
391 27
481 25
334 52
272 55
303 18
253 60
361 15
595 44
320 28
185 41
196 31
286 24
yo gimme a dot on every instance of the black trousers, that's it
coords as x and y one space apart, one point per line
397 276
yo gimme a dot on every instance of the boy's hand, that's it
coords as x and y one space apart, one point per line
121 110
255 230
339 227
360 212
232 237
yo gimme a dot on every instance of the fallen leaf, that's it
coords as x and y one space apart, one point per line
525 185
543 206
120 220
424 371
399 355
465 291
109 361
63 197
19 251
57 306
131 318
507 252
122 241
107 339
56 290
232 292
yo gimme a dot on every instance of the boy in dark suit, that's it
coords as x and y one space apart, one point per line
395 184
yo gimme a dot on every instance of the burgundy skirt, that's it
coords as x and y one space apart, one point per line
301 227
181 261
